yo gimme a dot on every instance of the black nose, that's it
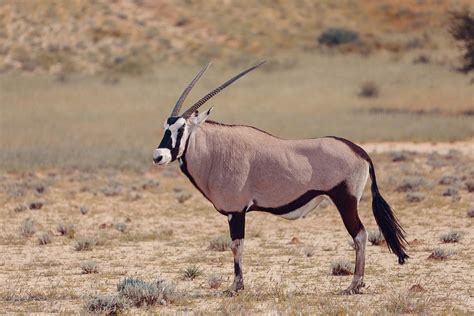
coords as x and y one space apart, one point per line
157 159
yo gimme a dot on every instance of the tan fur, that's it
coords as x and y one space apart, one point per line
234 165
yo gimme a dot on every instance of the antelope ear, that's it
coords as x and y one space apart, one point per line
201 118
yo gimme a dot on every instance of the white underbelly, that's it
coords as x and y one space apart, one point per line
305 209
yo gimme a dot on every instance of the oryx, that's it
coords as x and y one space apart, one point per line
240 169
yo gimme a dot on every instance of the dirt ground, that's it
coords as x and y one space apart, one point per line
155 224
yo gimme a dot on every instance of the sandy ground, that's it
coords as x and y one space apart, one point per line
165 233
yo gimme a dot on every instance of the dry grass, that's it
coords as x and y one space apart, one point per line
89 266
119 126
342 267
161 240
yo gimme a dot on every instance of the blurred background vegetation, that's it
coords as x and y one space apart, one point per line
88 83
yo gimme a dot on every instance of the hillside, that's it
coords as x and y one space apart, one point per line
89 36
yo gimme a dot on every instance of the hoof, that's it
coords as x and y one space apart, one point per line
354 289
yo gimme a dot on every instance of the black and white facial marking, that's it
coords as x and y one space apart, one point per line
173 143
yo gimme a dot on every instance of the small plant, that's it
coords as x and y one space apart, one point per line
106 304
337 36
214 281
89 266
84 210
470 213
85 244
376 237
369 90
20 208
44 238
191 272
450 237
221 243
140 293
440 254
66 230
28 228
342 267
183 197
308 252
414 197
121 227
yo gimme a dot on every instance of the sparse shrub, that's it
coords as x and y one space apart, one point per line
440 254
121 227
89 266
369 90
66 230
20 208
414 197
183 196
44 238
214 281
462 30
85 244
451 192
191 272
411 184
422 59
337 36
448 180
28 228
451 237
470 213
106 304
84 210
375 237
308 252
36 205
342 267
221 243
469 186
142 293
398 156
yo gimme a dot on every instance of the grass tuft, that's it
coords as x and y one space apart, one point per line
214 281
191 272
85 244
369 90
221 243
106 304
405 304
142 293
66 230
375 237
121 227
28 228
342 267
440 254
44 238
89 267
451 237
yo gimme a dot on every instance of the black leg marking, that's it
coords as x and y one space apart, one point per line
237 234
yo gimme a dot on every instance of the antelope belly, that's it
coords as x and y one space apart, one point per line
305 209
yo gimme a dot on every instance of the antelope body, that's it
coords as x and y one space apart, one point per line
241 169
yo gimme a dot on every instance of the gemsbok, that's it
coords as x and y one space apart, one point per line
240 168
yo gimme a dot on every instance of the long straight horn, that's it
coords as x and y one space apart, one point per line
206 98
186 91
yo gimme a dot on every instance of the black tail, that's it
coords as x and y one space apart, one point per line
386 220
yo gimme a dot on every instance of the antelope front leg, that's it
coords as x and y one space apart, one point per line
237 234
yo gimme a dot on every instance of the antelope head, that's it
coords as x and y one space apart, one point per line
178 128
